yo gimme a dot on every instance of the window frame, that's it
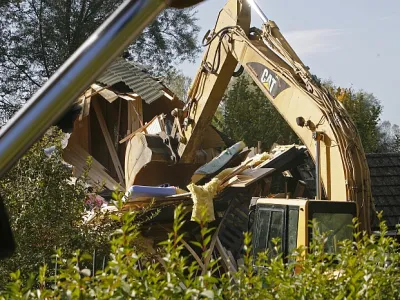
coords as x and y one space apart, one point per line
285 209
333 207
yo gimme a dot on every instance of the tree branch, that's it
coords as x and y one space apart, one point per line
79 23
22 70
42 45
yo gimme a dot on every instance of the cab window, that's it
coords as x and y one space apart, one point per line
337 227
269 226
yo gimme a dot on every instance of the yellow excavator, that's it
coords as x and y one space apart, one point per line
319 120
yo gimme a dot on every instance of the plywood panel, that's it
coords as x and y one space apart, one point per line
77 156
81 133
136 112
109 142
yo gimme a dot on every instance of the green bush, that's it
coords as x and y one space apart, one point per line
366 269
46 210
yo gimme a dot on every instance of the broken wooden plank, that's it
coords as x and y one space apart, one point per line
141 129
85 100
236 171
109 142
129 97
107 94
194 254
116 144
212 245
137 117
248 177
229 266
135 104
75 155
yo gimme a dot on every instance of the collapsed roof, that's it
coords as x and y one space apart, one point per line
124 101
136 78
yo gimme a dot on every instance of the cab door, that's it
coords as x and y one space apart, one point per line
275 221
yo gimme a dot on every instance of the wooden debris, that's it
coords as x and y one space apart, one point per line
77 156
141 129
228 264
196 257
109 142
300 188
247 177
107 94
212 244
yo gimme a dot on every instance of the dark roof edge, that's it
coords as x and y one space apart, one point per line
386 154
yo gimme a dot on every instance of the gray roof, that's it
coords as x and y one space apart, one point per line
137 80
385 185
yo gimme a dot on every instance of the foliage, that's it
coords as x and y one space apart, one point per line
46 209
249 116
218 118
365 110
364 269
169 40
38 36
389 137
178 83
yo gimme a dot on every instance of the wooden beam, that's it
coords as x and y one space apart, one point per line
229 266
196 257
143 128
118 125
109 142
212 246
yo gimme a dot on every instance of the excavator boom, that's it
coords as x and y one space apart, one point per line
310 110
319 120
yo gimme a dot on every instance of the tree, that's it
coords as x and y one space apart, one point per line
178 83
218 118
365 110
169 40
249 116
46 209
389 137
37 36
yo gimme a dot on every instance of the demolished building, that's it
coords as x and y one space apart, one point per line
124 101
126 107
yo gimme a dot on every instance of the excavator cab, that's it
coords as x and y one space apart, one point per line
295 221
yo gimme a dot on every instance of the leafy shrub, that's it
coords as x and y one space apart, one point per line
46 209
365 269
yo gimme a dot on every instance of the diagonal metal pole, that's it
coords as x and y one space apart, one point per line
258 10
51 101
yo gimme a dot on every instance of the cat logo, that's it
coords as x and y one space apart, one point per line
268 78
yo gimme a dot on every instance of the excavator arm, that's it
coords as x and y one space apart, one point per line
310 110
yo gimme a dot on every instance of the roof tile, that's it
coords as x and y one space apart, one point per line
140 82
385 185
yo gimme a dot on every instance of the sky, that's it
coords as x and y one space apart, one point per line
353 43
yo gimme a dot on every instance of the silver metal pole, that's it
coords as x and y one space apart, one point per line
258 10
51 101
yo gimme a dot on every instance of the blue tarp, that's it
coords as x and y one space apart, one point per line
137 191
